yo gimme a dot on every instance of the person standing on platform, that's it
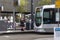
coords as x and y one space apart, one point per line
22 24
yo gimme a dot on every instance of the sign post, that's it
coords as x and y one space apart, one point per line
57 29
57 5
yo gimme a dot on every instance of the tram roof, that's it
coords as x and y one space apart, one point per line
48 6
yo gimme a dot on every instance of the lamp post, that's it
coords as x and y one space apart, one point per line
32 17
14 24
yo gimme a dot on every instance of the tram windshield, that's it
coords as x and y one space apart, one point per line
38 17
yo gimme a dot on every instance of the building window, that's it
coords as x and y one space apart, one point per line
1 8
15 2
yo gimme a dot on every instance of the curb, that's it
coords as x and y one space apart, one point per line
27 32
10 33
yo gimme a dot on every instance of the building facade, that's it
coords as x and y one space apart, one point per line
9 5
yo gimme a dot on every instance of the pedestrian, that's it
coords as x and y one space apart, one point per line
22 24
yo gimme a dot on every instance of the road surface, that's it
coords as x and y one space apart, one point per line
24 37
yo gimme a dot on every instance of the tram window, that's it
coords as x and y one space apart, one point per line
38 18
46 14
38 21
38 14
49 16
57 18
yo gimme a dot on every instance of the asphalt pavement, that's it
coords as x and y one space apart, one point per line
26 37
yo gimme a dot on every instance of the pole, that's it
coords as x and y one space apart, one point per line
58 19
14 26
32 17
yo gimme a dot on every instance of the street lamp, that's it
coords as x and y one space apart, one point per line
32 17
14 26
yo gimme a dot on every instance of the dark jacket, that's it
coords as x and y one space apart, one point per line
22 23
